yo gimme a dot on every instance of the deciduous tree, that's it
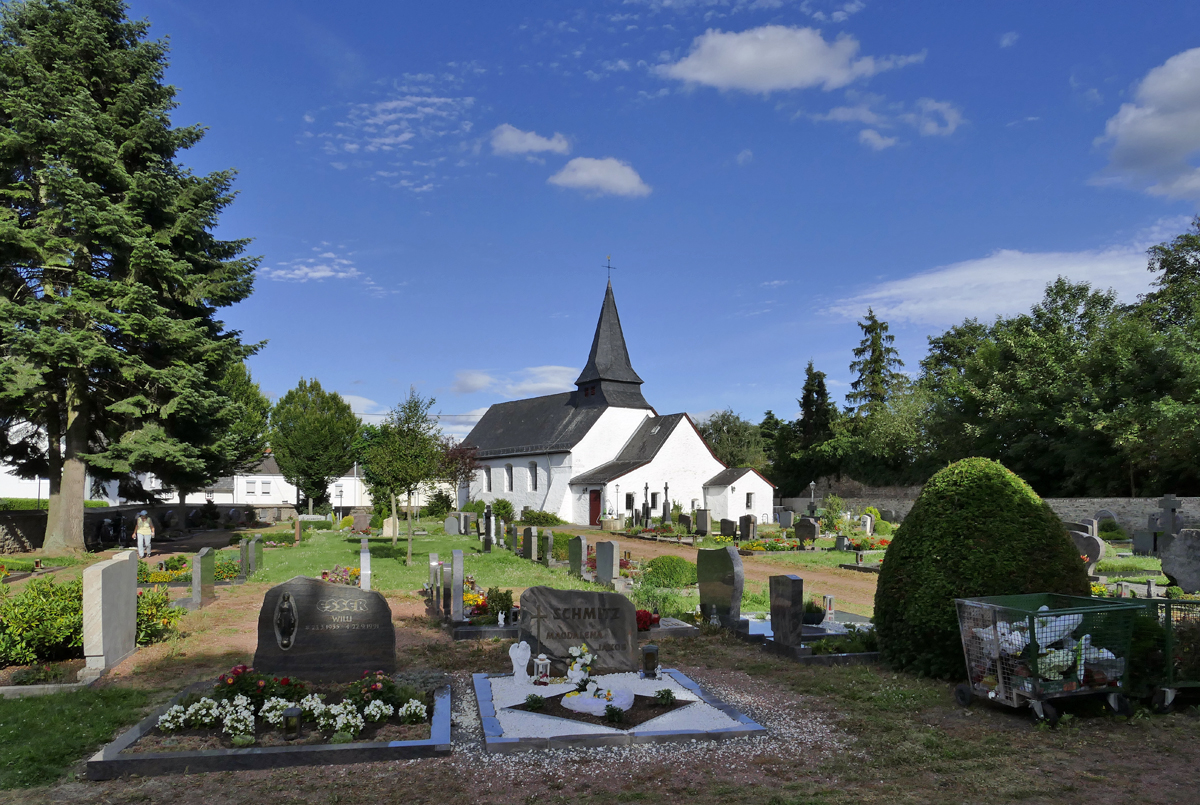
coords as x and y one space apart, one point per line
312 438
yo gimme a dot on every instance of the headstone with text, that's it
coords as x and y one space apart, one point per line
553 621
747 527
807 529
787 609
722 581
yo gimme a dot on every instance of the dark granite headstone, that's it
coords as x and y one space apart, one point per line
1143 543
608 562
203 577
547 547
529 546
685 520
807 529
323 632
887 515
721 580
747 527
456 585
787 609
577 554
553 621
256 553
728 528
703 522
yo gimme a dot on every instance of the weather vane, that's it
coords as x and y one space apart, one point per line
609 266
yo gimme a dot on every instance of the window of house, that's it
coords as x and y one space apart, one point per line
533 476
749 500
487 479
654 500
628 501
249 487
508 487
266 487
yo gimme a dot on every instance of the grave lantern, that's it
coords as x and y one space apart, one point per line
650 661
541 670
291 723
37 564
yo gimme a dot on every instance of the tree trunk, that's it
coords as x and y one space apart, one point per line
395 522
54 510
310 505
408 562
68 535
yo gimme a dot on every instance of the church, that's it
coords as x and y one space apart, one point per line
602 450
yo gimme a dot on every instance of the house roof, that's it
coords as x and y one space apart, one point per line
731 475
640 450
609 358
550 424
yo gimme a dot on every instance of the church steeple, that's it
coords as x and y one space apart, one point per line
608 378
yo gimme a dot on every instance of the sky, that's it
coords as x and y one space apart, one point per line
434 189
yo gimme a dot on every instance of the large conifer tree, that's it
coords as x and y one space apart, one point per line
109 272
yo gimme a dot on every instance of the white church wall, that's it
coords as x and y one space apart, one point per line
729 502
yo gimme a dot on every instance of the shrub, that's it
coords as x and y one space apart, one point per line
226 567
346 522
534 702
1111 530
664 697
813 607
541 519
440 504
377 520
669 571
874 512
241 680
499 601
503 509
856 642
476 506
156 618
977 529
22 504
378 686
883 528
613 715
562 548
42 623
831 516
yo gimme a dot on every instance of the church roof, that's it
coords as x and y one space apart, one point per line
550 424
731 475
609 358
640 450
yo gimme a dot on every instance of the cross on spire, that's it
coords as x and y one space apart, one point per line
609 266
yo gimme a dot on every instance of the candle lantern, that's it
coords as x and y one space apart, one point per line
541 670
650 661
291 723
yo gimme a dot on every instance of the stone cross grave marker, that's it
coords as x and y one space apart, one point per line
748 527
256 554
703 522
451 526
666 518
577 555
560 619
787 609
728 528
529 546
203 578
1169 519
324 632
721 580
547 547
456 586
364 564
608 562
109 613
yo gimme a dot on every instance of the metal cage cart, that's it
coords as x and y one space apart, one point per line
1179 640
1028 649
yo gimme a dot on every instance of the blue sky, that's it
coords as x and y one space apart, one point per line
434 187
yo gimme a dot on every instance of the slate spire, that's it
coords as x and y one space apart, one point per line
609 359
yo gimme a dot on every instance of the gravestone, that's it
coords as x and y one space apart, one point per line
244 559
109 613
456 586
547 547
608 562
1082 528
555 620
841 543
786 519
807 529
868 524
529 547
728 528
577 555
435 584
721 580
391 527
1090 546
364 564
362 522
1105 514
1143 543
451 526
1181 560
703 522
747 527
787 609
1169 519
324 632
888 515
256 553
204 566
685 521
1092 526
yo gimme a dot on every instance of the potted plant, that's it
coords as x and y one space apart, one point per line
814 613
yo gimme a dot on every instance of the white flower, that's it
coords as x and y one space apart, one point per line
272 711
312 706
342 717
413 712
204 713
239 717
174 719
378 710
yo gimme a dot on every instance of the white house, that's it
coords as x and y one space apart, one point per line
601 448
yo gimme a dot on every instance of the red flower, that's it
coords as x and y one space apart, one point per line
229 681
285 681
262 683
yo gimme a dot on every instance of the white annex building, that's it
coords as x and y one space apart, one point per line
603 449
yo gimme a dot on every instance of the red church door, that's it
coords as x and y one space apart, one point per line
594 509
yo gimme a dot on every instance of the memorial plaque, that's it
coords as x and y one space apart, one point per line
553 621
721 580
362 522
787 609
322 632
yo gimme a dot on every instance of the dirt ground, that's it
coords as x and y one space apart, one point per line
835 735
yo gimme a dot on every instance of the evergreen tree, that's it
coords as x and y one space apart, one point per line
816 411
1178 284
876 361
312 438
735 442
110 276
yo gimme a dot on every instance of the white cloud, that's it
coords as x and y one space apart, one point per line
776 57
859 113
874 140
323 266
507 139
459 425
470 381
1005 282
775 283
537 380
745 157
606 176
934 118
1009 39
1156 139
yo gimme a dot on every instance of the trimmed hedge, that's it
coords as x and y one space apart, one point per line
24 504
977 529
669 571
542 519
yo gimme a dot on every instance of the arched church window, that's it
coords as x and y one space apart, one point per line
487 479
508 478
533 476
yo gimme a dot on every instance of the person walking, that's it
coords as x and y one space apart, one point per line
145 531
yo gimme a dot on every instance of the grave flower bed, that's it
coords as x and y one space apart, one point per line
246 708
341 575
776 544
865 543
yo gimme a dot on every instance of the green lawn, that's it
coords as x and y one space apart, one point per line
324 550
1128 565
43 735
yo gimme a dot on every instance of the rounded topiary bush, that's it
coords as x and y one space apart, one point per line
977 529
669 571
